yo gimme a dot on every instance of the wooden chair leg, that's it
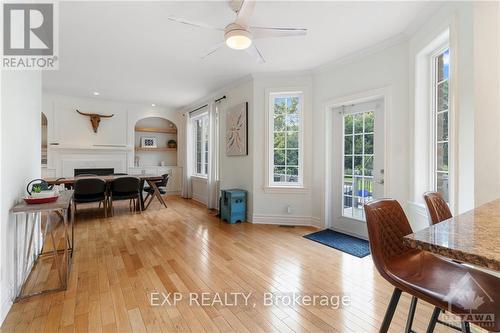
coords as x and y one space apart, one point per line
391 309
105 208
111 207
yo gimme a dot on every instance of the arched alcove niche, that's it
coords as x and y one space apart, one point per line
154 137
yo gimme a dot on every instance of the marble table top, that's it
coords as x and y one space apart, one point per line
472 237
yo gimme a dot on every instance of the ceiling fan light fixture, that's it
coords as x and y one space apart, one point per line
238 39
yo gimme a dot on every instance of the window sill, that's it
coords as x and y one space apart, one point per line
286 190
199 177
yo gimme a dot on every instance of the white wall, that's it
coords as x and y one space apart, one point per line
72 130
21 105
384 69
487 101
457 17
237 171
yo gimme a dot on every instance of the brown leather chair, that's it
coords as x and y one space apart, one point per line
422 274
437 207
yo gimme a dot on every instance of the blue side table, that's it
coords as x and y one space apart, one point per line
233 205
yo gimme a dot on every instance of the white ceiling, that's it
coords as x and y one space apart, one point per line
129 51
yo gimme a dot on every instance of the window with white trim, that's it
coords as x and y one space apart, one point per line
200 129
441 124
286 139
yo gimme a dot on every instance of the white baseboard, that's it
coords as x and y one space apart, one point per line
173 192
417 215
293 220
199 199
347 232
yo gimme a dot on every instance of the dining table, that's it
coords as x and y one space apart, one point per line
471 237
151 180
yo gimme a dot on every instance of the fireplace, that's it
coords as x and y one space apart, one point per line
95 171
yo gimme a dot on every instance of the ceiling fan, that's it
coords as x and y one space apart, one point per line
239 35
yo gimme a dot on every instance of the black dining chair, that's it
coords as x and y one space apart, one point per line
125 188
162 187
89 190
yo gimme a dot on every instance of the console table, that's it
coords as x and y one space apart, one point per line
28 218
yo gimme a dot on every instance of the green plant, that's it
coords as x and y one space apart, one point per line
37 188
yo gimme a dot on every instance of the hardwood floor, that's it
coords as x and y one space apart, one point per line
120 261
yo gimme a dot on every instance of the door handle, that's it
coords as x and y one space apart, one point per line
381 181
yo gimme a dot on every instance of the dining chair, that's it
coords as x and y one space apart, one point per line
423 275
437 207
89 190
162 187
125 188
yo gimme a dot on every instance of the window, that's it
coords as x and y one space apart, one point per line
285 139
201 145
440 119
358 162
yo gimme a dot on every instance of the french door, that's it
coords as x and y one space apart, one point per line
359 144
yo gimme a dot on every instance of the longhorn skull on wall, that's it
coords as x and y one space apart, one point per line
95 118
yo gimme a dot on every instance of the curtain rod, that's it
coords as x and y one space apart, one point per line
201 107
220 99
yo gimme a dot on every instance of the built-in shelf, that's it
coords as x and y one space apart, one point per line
155 149
156 130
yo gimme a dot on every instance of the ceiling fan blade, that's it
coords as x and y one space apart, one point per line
254 52
193 23
211 50
263 32
245 12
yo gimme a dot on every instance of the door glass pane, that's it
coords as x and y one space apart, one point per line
358 123
348 124
358 163
358 144
348 144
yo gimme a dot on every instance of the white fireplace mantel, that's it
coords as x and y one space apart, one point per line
66 158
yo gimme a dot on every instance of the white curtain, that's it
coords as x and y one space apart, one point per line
213 156
188 157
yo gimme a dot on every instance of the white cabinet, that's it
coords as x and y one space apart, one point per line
175 181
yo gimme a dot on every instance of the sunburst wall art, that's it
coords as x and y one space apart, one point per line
237 130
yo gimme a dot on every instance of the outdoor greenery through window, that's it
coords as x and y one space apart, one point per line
286 139
358 163
201 145
441 120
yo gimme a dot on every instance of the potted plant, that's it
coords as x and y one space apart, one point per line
172 143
